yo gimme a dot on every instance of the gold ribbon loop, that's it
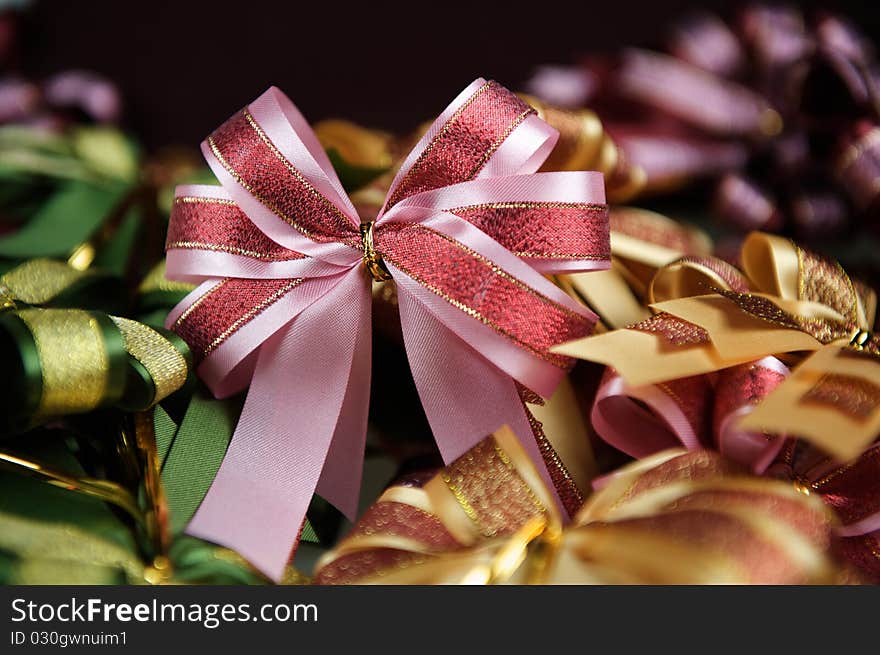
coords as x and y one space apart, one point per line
36 282
165 364
73 359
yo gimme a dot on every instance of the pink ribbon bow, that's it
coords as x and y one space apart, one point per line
466 232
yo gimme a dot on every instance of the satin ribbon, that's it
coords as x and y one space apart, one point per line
584 144
642 242
694 96
708 370
852 490
695 412
681 343
673 518
466 231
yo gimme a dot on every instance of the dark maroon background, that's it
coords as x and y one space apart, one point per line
183 67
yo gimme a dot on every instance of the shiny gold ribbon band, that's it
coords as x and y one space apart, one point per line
73 359
37 281
165 364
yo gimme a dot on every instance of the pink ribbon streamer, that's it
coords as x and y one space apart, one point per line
467 232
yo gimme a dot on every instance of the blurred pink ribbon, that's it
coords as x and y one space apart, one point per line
694 412
284 263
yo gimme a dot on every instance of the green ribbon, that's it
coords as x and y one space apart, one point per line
192 450
70 217
69 361
49 535
192 437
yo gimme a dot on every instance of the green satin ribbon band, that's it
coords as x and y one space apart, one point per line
21 365
70 217
50 549
69 361
72 361
192 451
53 535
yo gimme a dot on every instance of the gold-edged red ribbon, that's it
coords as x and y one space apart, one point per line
672 518
642 242
785 301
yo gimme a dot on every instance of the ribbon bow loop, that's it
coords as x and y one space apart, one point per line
284 264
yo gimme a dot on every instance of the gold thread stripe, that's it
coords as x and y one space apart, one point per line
558 361
198 301
523 489
460 498
528 490
232 250
821 482
548 451
588 206
501 272
293 171
665 388
165 364
497 144
198 200
251 313
559 255
531 205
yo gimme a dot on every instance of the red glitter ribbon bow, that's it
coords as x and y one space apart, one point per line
284 265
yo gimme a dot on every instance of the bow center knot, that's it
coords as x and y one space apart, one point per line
372 259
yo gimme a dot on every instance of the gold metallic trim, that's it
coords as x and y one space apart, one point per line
37 281
501 272
199 200
590 206
293 171
460 497
165 364
497 144
73 359
251 313
524 490
548 451
549 357
372 259
232 250
189 310
502 455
